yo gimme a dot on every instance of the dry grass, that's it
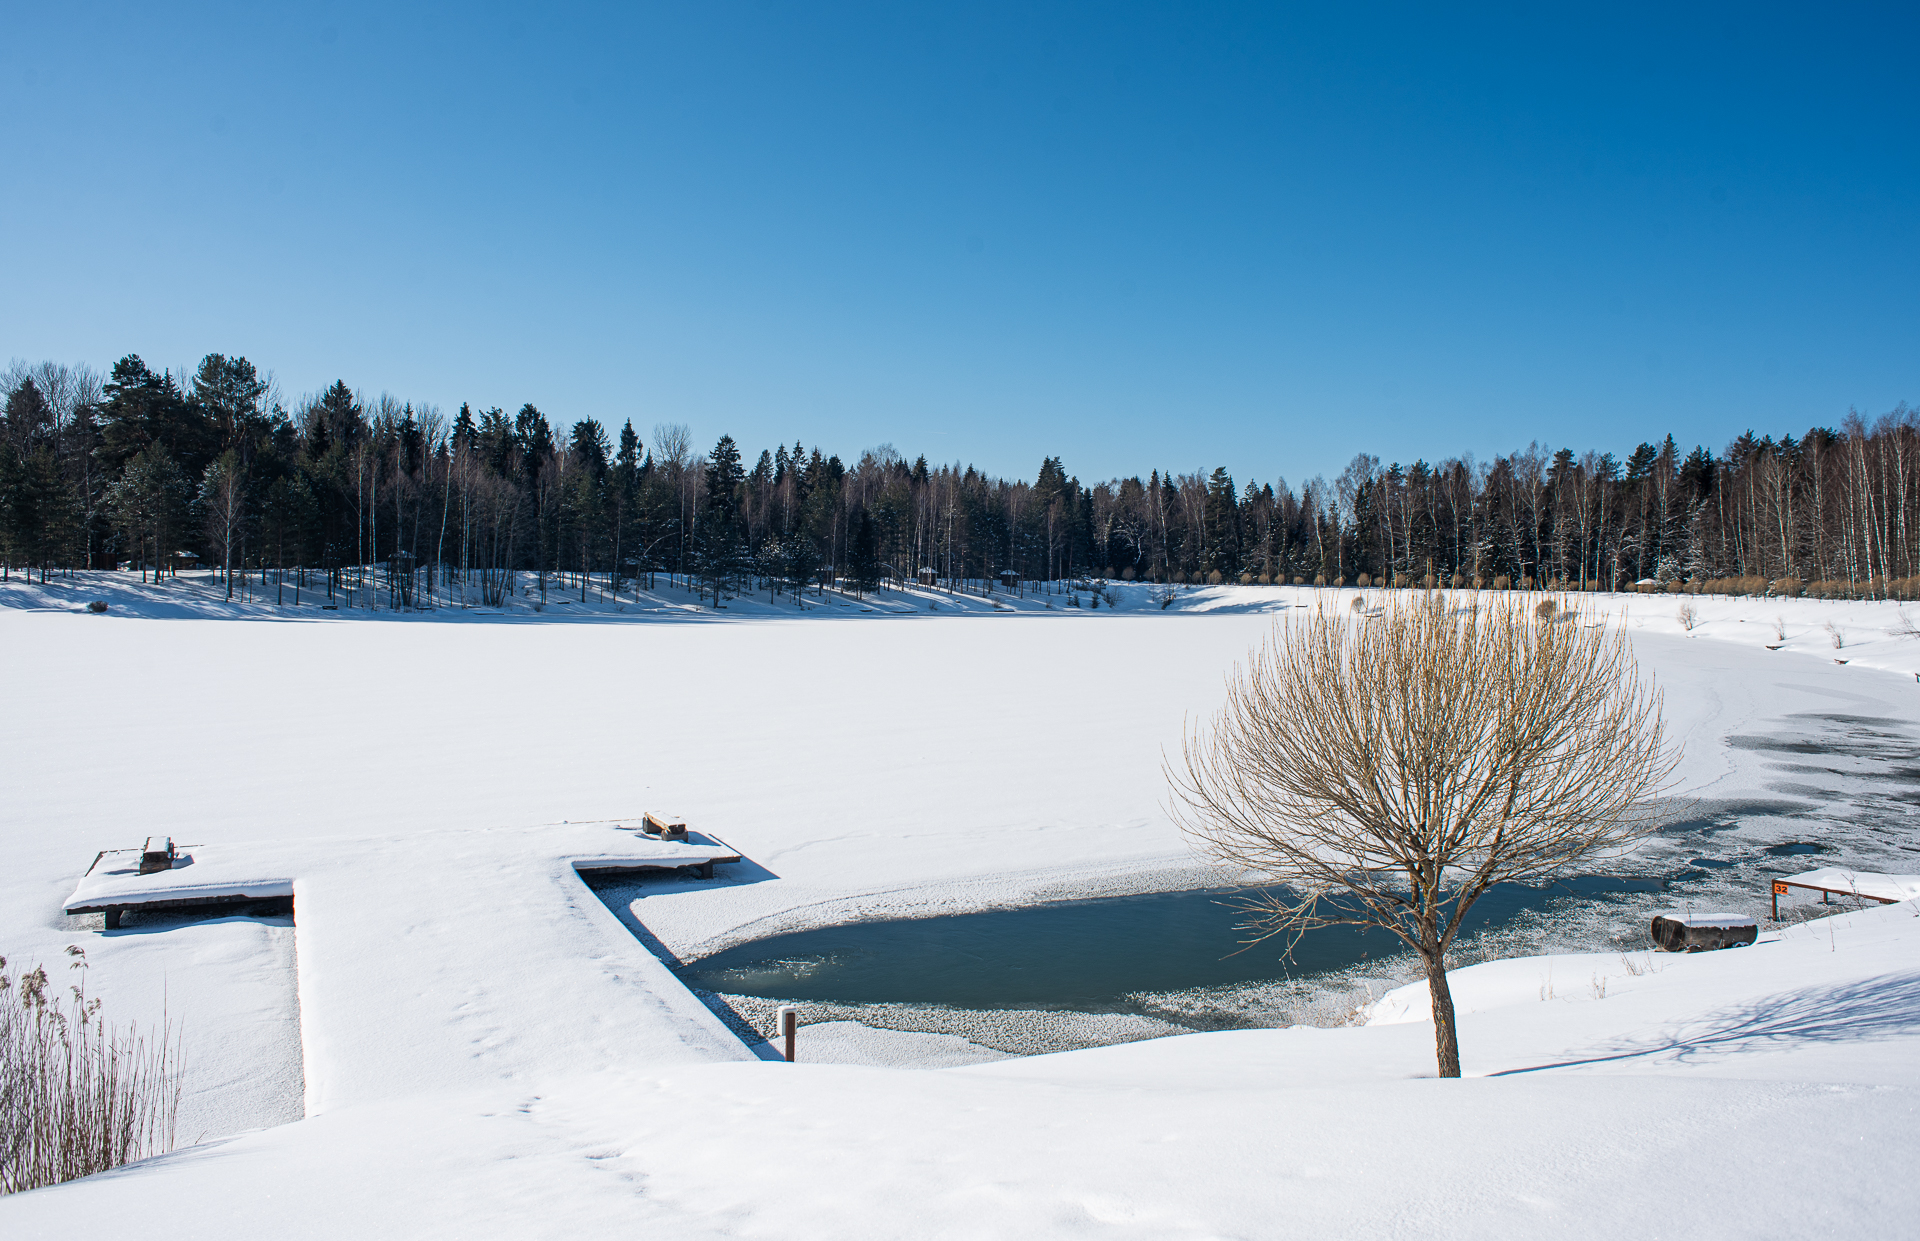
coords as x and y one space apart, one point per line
77 1096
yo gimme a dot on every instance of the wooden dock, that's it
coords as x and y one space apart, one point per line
698 852
260 874
1831 881
123 879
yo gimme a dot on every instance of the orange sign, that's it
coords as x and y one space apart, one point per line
1779 889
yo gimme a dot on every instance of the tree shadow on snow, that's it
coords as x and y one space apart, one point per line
1868 1010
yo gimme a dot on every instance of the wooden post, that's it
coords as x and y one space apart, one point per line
789 1022
1779 889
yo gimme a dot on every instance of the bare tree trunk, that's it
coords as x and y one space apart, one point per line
1446 1041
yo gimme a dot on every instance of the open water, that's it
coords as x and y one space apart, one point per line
1095 955
1837 790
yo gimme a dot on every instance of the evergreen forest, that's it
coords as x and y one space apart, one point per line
381 502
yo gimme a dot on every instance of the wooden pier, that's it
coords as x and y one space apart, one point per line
159 876
697 852
259 876
1831 881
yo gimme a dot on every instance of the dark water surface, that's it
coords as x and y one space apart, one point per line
1843 791
1085 955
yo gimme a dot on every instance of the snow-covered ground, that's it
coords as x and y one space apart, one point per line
480 1049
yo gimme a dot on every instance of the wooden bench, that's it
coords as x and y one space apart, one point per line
157 856
665 826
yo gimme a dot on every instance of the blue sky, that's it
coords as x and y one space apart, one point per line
1133 236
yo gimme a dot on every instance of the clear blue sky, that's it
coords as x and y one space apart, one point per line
1129 235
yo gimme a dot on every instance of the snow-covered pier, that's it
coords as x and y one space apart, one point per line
1831 881
227 876
242 875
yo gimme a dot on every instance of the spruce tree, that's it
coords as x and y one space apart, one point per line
863 558
722 545
29 419
623 501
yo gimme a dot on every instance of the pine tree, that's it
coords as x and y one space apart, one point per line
721 546
29 420
863 557
150 503
39 521
230 393
288 516
143 409
623 495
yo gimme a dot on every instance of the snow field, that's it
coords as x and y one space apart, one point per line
488 1053
1297 1132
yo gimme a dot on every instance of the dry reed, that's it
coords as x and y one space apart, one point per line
77 1096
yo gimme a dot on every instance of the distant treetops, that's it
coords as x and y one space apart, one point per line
141 466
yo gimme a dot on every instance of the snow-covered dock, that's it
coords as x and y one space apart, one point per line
1834 881
229 875
696 851
242 874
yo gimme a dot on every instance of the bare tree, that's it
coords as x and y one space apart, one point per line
223 498
1387 772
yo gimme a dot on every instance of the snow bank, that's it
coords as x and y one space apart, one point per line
1577 1120
1833 999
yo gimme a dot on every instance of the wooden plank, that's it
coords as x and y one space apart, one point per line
616 869
179 902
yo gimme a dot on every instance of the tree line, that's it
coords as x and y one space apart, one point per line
395 503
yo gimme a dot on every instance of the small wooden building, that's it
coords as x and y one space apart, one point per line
927 576
1009 579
